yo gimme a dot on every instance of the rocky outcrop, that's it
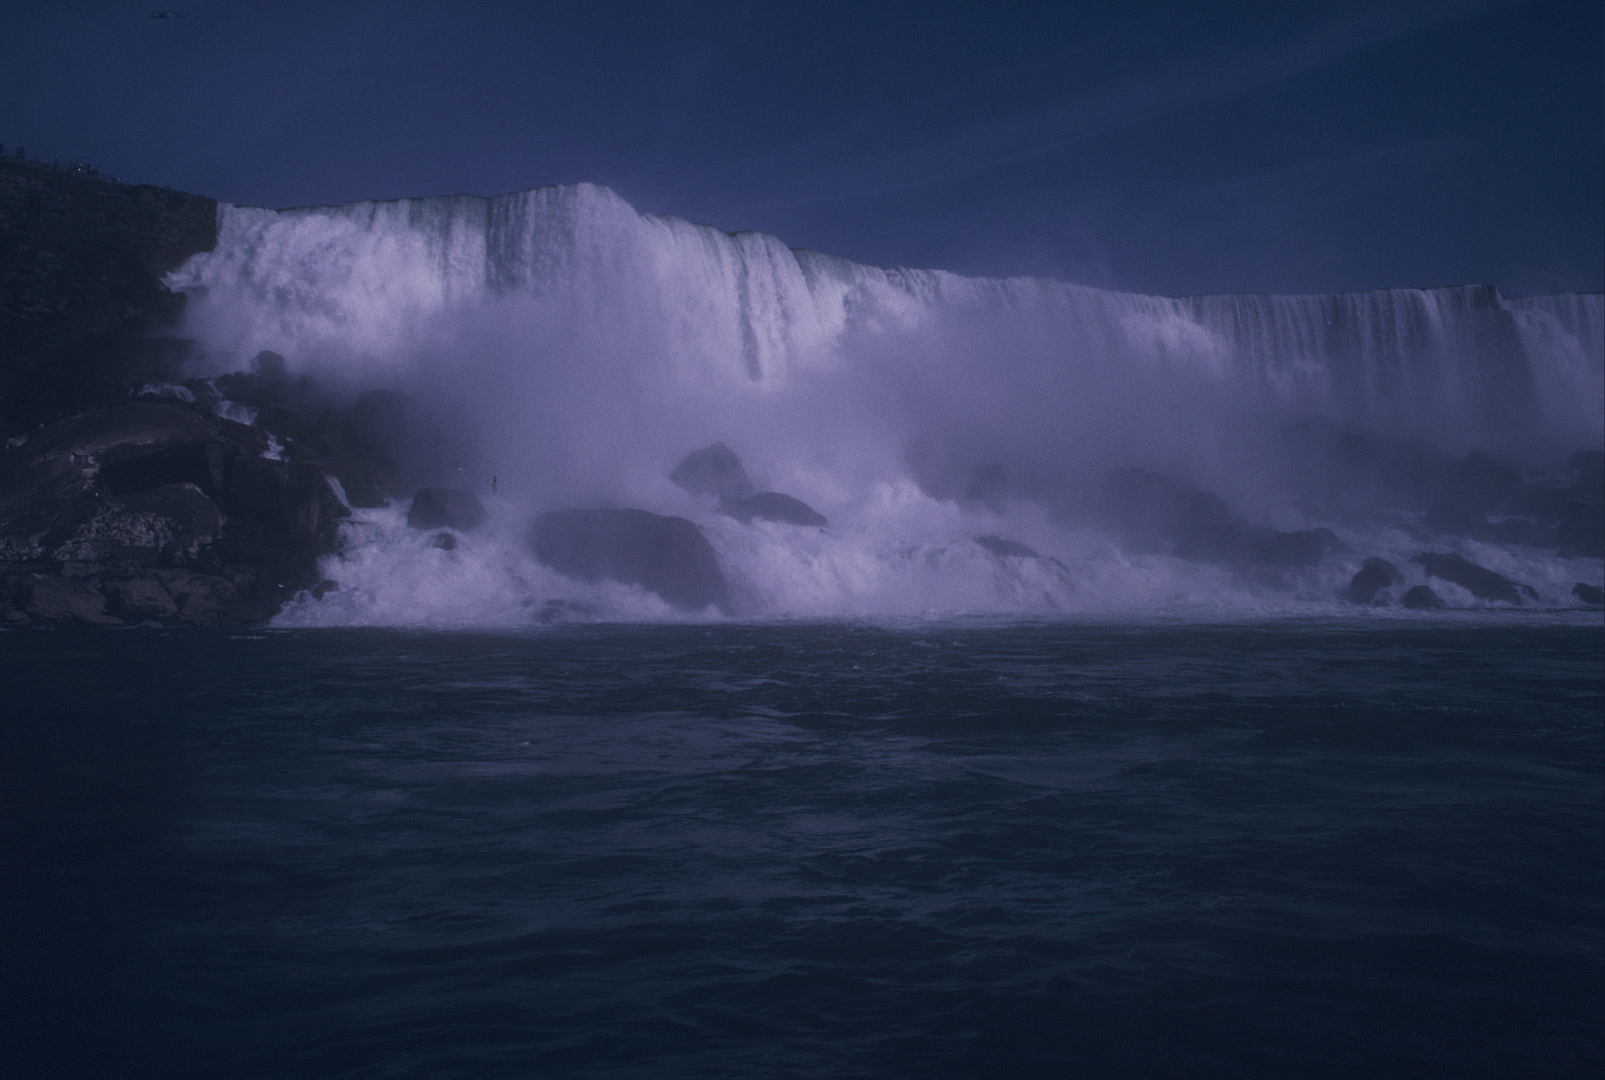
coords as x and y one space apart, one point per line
668 556
1374 577
1591 595
715 471
1481 582
159 511
1157 513
446 508
1422 598
1561 508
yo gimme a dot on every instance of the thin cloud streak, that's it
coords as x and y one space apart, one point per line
834 167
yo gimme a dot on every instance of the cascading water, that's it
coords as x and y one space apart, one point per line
577 350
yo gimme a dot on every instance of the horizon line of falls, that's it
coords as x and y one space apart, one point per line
976 446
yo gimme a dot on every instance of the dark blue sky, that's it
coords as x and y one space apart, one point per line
1161 147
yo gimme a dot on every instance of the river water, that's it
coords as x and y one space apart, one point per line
1273 848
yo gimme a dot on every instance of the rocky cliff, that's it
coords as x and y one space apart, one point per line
125 495
82 305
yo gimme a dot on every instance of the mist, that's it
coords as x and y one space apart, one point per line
577 350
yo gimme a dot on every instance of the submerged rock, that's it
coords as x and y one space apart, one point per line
1481 582
771 506
1421 597
446 508
665 555
715 470
1374 576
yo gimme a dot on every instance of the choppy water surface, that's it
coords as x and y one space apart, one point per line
1283 849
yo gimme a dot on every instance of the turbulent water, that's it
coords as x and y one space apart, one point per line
1285 849
576 350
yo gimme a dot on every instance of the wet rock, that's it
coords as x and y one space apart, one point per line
1421 598
1589 594
1374 576
201 599
445 508
61 600
771 506
716 471
665 555
1481 582
141 598
174 520
445 541
324 588
1159 513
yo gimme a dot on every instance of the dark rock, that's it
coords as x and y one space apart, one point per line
1481 582
666 555
141 598
1157 512
445 508
1000 547
164 483
1374 576
445 541
60 600
175 520
1422 598
713 471
201 599
1589 594
323 588
771 506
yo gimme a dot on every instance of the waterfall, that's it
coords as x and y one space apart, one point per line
579 349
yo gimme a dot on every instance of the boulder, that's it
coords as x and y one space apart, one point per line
1374 576
713 471
61 600
1589 594
665 555
445 508
1159 513
1481 582
771 506
1422 598
141 598
201 599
